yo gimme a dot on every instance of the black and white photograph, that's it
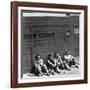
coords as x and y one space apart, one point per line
50 44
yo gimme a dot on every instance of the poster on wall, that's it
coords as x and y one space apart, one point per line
48 44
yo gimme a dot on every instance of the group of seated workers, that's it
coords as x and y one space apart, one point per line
54 64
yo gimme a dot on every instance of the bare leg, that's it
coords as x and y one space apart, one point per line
46 69
66 66
58 70
39 71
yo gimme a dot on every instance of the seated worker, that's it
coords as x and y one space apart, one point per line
61 64
51 65
39 67
59 61
69 59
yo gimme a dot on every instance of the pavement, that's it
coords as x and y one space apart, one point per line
73 71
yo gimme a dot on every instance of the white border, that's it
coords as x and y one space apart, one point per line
64 78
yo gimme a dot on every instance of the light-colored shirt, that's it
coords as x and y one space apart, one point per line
58 60
68 57
39 62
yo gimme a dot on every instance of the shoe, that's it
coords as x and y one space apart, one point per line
48 74
40 74
76 66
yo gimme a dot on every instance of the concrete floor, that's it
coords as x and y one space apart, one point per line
73 71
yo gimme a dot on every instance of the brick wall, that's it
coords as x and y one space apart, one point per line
54 37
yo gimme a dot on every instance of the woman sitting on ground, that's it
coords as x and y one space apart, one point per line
39 66
69 59
52 65
61 64
59 61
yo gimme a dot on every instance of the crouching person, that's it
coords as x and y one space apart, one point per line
40 67
59 61
51 64
70 60
61 64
